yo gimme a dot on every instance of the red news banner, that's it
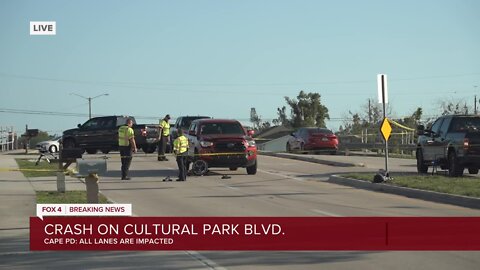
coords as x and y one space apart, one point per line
255 233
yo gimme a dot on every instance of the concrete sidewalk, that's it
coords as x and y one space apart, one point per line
17 204
18 200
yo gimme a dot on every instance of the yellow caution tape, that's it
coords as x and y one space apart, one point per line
400 125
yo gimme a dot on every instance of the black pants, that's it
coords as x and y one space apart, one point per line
162 146
182 170
126 157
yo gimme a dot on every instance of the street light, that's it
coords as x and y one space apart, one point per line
89 102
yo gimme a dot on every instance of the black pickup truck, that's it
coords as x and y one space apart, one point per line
101 133
452 142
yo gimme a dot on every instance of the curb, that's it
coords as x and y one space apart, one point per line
426 195
313 160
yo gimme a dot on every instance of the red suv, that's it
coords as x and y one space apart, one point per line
221 143
313 138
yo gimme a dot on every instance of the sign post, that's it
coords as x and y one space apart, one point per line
385 127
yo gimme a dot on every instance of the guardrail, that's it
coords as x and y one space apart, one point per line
7 139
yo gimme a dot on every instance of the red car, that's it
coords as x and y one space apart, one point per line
314 139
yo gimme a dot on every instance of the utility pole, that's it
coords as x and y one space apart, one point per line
89 102
369 112
475 104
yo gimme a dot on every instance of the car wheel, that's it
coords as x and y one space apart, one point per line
91 151
199 167
472 170
233 168
454 168
252 169
105 151
302 148
53 149
421 166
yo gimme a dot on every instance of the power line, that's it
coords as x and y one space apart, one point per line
130 84
53 113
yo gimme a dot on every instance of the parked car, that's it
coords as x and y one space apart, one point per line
101 133
452 142
313 138
221 143
183 122
51 146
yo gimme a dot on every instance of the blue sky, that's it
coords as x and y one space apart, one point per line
221 58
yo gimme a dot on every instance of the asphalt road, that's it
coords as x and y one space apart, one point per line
282 187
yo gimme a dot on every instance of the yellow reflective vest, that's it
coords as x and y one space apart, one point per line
165 126
125 133
180 145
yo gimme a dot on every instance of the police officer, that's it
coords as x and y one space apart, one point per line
127 145
164 136
180 149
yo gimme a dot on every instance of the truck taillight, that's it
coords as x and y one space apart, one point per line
466 144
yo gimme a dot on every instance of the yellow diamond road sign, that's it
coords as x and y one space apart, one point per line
385 129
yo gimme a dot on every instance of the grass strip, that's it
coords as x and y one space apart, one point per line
29 169
76 196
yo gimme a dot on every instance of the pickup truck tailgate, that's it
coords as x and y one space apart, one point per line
473 142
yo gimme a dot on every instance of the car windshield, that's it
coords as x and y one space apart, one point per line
188 120
222 128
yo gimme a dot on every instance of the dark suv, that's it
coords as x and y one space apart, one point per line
452 142
183 122
221 143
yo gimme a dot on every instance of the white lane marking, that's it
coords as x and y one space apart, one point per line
204 260
283 175
234 188
330 214
300 179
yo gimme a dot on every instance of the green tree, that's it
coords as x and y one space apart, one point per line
282 118
414 119
42 136
307 110
455 107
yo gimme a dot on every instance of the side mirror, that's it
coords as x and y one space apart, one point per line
293 134
79 125
420 130
250 132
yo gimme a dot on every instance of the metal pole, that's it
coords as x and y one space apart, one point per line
27 139
475 90
384 115
475 105
89 108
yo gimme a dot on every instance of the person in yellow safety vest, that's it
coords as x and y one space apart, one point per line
164 137
126 145
180 149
